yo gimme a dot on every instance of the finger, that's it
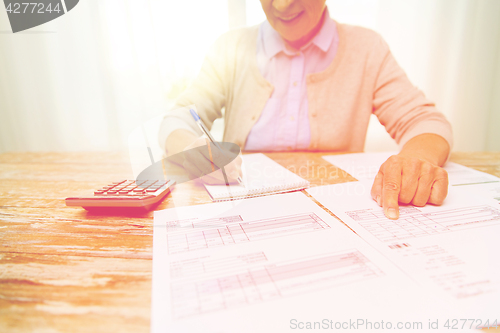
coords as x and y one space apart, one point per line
409 181
238 161
391 187
226 180
191 169
197 158
229 173
233 173
239 165
425 182
376 191
206 162
207 156
197 143
439 189
239 172
195 172
233 170
211 154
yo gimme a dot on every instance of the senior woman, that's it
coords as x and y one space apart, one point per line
301 81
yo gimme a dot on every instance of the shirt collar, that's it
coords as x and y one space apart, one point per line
273 43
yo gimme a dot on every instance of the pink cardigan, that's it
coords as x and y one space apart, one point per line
363 78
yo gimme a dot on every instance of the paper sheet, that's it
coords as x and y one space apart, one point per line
452 250
364 166
490 190
261 175
256 265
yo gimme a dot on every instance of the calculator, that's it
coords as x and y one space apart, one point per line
126 194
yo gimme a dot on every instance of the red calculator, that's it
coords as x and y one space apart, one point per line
131 194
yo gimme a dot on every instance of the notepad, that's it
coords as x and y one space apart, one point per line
261 176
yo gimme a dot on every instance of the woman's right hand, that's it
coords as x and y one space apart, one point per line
200 164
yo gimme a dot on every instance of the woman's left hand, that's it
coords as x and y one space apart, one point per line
408 180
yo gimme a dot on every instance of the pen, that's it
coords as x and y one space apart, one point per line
205 130
202 126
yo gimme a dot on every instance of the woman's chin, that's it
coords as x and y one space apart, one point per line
291 35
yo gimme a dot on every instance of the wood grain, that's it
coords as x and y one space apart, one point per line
63 269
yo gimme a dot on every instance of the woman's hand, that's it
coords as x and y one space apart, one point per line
199 165
408 180
414 176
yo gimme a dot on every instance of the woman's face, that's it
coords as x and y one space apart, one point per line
293 19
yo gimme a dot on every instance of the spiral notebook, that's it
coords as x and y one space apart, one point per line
261 176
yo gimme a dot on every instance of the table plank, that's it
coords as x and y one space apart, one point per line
74 293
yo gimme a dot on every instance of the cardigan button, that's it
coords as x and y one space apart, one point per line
313 114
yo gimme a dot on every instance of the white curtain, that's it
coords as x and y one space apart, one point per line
85 81
451 50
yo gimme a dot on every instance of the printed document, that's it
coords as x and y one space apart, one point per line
452 250
262 264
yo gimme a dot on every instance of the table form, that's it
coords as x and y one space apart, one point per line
186 224
270 281
198 267
413 223
238 231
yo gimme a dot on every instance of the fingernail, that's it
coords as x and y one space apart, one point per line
392 213
378 200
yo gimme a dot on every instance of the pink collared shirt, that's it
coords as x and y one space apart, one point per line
284 122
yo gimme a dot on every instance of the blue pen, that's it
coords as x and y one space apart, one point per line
202 126
205 130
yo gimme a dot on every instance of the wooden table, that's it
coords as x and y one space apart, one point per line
63 269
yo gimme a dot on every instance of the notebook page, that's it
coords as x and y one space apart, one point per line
261 175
